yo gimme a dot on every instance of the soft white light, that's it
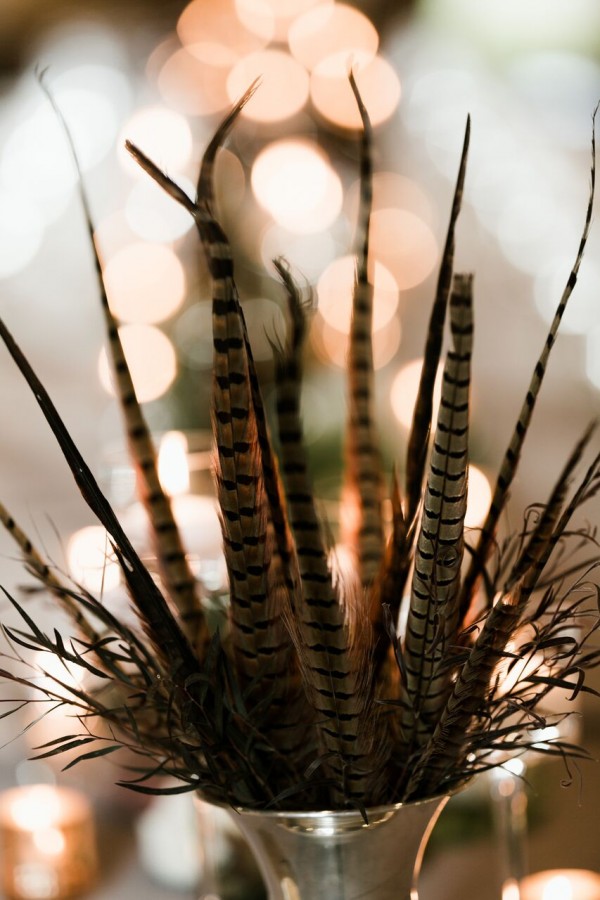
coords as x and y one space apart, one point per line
581 314
308 254
36 807
558 888
592 357
145 283
153 215
283 90
21 232
405 388
151 360
162 134
173 470
295 183
90 560
478 498
335 287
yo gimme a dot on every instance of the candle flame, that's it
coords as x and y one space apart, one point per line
173 469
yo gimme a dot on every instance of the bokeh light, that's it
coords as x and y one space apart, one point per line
214 32
90 560
173 470
390 191
581 314
308 254
478 498
332 95
404 390
21 232
295 183
524 223
162 134
264 16
283 90
153 215
193 86
405 244
334 293
145 283
192 333
151 360
331 345
333 30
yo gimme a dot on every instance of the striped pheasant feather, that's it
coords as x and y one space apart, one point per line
421 425
239 428
364 482
512 456
173 565
433 613
273 487
446 746
36 563
326 648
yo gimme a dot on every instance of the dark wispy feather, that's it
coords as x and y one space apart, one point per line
510 462
176 574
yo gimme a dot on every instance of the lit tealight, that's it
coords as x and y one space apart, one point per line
283 90
194 86
332 94
561 884
90 560
405 244
208 28
333 29
145 283
162 134
153 215
335 287
48 842
295 183
151 360
405 388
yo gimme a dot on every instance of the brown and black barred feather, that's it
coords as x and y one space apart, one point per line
320 627
364 483
513 453
36 563
431 630
158 622
421 425
250 544
173 565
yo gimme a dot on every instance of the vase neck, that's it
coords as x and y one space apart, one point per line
309 856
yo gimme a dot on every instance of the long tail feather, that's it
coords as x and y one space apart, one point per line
513 453
173 565
364 483
421 425
433 613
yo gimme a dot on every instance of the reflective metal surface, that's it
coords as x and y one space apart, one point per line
335 855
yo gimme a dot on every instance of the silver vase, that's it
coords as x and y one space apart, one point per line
336 855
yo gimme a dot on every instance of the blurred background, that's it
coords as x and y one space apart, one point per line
162 74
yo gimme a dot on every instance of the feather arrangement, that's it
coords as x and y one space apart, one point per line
313 696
